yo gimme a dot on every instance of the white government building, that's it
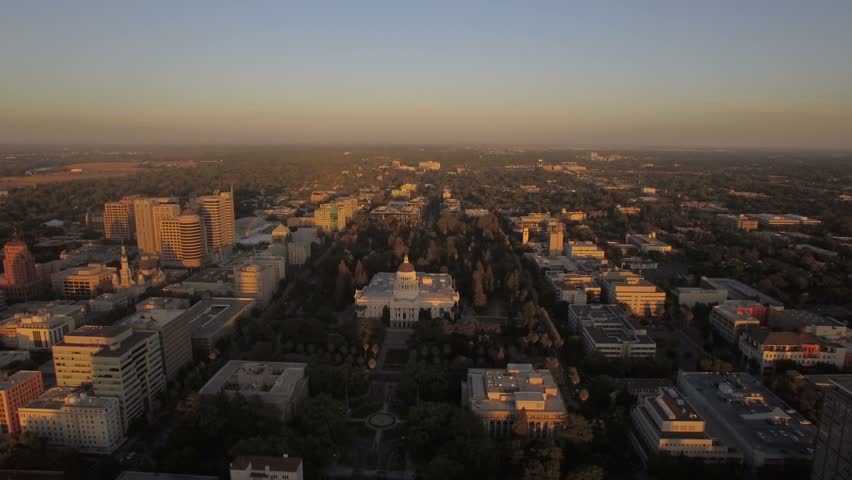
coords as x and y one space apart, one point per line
405 293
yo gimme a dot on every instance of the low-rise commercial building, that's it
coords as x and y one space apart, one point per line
737 290
665 423
736 222
647 243
747 416
763 347
692 296
397 211
212 319
162 303
41 331
272 468
785 220
610 331
583 250
641 297
17 390
72 418
574 288
502 397
281 385
733 317
83 282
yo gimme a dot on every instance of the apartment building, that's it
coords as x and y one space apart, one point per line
70 417
641 297
17 390
556 236
501 397
733 317
118 361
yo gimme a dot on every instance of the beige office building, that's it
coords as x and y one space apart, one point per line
173 332
217 215
665 423
119 219
149 212
255 280
497 397
584 250
69 417
117 361
183 241
641 297
83 282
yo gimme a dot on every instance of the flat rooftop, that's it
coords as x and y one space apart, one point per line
738 290
17 378
212 275
518 386
743 412
55 399
153 319
275 379
211 315
130 475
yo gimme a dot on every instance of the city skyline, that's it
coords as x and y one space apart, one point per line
758 75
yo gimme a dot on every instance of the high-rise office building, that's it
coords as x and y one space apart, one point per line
118 361
120 219
183 240
833 456
557 237
20 281
149 212
217 214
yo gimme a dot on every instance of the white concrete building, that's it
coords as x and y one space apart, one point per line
608 329
763 347
282 385
405 293
268 468
117 361
732 317
71 418
666 423
42 331
499 396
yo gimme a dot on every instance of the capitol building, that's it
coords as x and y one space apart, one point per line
405 293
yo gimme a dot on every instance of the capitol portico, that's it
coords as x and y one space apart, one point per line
405 293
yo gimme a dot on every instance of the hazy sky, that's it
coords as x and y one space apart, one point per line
680 73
